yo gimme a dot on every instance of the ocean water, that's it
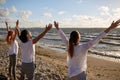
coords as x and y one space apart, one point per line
108 47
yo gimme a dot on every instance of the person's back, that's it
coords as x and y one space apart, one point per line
77 63
27 51
27 47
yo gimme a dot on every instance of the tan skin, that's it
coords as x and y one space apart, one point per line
36 39
112 26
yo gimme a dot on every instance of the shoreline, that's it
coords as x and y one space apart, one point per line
104 58
90 53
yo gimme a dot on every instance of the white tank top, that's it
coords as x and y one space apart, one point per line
13 48
27 51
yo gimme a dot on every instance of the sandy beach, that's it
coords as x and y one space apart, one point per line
51 65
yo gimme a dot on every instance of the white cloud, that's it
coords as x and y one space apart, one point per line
11 22
13 9
2 1
25 23
110 13
105 10
47 15
61 12
4 12
25 14
23 17
68 22
85 21
116 12
46 8
80 1
83 17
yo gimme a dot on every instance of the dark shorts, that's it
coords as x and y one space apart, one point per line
81 76
12 59
28 70
12 65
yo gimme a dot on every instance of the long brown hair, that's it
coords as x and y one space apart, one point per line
74 35
9 36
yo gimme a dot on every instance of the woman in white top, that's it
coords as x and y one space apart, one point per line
27 47
13 50
77 53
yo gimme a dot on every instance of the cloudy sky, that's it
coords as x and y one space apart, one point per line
69 13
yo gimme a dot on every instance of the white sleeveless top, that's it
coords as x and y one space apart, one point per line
13 48
27 51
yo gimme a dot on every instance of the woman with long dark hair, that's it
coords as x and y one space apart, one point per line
77 53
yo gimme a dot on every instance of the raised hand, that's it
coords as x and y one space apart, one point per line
6 23
17 23
48 27
113 25
56 25
7 26
17 28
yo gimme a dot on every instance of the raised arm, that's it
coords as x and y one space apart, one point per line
17 31
42 34
97 39
7 26
113 25
61 33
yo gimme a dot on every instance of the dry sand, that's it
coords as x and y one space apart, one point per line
51 65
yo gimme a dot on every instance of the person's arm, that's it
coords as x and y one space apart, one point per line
42 34
7 26
61 33
101 35
16 32
17 29
112 26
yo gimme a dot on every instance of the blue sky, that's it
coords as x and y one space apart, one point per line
69 13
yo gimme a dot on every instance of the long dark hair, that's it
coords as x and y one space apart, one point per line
23 36
74 35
